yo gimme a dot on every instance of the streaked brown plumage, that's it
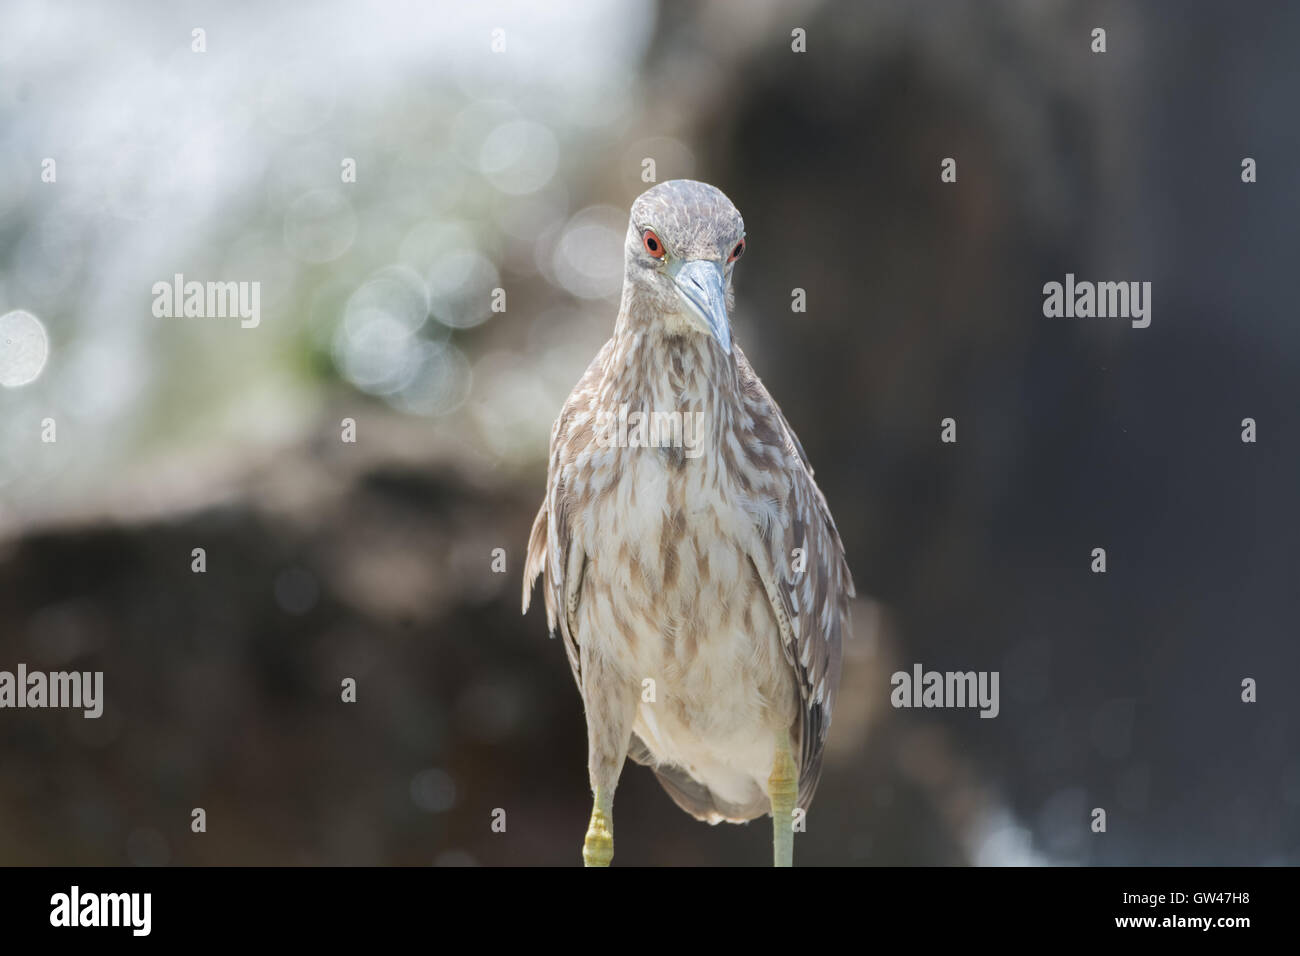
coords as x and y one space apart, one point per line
681 565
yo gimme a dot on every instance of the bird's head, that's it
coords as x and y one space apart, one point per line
683 240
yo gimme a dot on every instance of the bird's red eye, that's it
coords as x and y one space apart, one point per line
652 244
737 252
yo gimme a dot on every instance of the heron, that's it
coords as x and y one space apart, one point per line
701 590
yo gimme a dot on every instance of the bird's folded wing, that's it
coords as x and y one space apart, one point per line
552 552
800 560
562 582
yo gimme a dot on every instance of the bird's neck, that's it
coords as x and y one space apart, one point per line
652 368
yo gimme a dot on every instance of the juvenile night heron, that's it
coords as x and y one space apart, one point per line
688 557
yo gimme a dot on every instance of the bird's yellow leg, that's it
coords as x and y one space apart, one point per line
598 847
611 704
783 791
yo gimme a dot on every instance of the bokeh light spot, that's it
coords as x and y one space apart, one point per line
24 348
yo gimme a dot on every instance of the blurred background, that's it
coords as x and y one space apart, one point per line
478 169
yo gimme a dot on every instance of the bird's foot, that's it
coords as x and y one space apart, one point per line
598 847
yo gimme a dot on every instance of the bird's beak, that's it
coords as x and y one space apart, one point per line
702 287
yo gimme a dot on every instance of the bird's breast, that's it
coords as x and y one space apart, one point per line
671 596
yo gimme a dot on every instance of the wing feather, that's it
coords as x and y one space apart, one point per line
801 562
551 550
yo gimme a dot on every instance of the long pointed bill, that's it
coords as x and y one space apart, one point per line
701 286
